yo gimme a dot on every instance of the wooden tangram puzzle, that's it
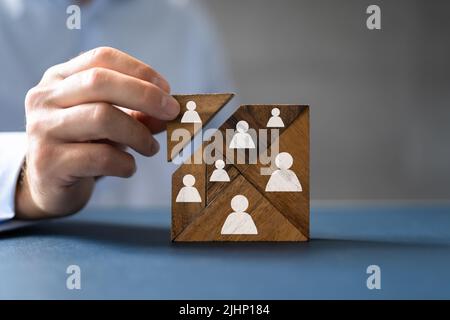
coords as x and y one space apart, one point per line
249 181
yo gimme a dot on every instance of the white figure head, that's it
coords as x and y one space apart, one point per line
275 112
189 180
284 161
242 126
220 164
239 203
191 105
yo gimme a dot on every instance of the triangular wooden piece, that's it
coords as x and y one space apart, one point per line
215 188
184 212
293 205
270 223
207 105
257 117
294 138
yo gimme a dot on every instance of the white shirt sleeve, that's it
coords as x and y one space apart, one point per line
12 154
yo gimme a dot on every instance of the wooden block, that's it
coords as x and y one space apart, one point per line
239 203
257 117
183 213
206 106
270 223
294 205
215 188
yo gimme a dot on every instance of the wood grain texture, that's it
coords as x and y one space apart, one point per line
215 189
184 213
257 117
294 205
279 216
207 106
271 225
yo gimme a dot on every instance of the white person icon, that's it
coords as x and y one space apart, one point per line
191 116
219 174
188 193
239 221
283 179
275 121
242 139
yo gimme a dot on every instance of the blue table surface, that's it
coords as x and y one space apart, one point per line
127 254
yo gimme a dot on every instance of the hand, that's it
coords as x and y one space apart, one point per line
80 119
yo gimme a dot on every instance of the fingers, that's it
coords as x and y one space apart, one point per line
154 125
110 86
113 59
104 96
83 160
100 121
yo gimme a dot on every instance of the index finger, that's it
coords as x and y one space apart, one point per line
105 85
113 59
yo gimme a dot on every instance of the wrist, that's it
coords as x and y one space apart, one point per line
25 207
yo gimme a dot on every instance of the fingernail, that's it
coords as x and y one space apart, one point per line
170 106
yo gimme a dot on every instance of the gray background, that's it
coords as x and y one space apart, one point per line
380 99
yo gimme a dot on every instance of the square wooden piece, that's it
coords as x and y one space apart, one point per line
256 199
